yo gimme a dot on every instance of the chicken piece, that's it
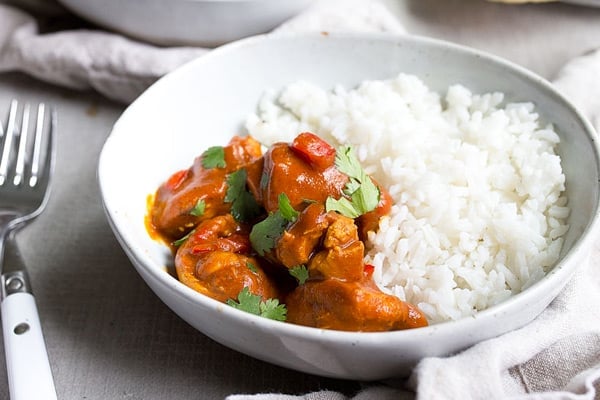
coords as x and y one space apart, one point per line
171 212
214 261
298 243
223 275
305 170
325 241
350 306
340 293
342 252
289 170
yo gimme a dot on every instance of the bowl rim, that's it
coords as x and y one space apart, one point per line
562 271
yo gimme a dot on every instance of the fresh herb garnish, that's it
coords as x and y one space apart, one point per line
252 303
199 208
236 185
300 272
251 267
264 235
181 240
286 209
363 194
214 157
244 206
342 206
271 309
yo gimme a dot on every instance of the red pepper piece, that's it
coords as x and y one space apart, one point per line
368 270
176 179
314 150
203 248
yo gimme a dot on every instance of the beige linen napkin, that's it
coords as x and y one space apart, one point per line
557 356
115 66
122 69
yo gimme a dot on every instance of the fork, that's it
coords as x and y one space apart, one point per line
26 162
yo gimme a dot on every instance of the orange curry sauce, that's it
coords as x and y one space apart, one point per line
229 231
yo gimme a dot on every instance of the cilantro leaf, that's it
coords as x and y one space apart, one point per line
366 197
264 235
346 162
342 206
214 157
253 304
286 209
363 194
199 208
236 184
180 241
352 186
273 310
244 206
246 301
251 267
300 272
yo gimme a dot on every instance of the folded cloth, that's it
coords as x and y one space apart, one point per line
116 67
578 80
557 356
121 68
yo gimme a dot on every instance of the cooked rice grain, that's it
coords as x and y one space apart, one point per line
480 208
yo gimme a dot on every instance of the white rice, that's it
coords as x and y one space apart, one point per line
480 208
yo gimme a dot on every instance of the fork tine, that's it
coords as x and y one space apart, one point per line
37 149
20 164
35 155
9 135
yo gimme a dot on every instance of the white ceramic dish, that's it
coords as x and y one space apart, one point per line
206 101
187 22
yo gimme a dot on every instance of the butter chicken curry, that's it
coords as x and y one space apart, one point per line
281 234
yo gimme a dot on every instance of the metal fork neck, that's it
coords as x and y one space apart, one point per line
5 230
14 282
15 279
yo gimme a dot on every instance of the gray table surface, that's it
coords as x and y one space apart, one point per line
108 336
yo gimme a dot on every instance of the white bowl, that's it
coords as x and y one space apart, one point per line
187 22
206 101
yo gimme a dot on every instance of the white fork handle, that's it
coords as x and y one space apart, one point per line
29 374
